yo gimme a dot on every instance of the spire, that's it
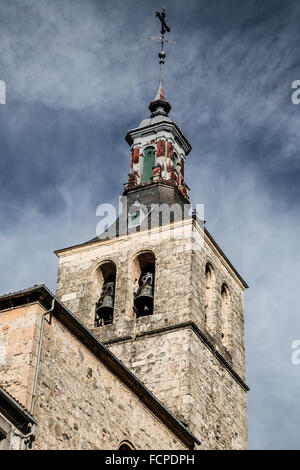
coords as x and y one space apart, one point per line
160 105
158 147
160 92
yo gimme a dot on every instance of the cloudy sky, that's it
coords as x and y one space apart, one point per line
80 74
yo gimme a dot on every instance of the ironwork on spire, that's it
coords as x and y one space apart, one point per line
160 105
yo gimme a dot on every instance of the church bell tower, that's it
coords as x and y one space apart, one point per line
160 293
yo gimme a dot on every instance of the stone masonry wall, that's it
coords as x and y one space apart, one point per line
80 404
179 282
219 408
19 336
162 363
183 373
223 274
77 268
161 349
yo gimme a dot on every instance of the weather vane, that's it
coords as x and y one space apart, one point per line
164 28
162 55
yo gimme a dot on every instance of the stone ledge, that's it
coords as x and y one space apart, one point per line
204 338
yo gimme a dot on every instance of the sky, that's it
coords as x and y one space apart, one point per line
80 74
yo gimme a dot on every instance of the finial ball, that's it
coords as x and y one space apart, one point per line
162 55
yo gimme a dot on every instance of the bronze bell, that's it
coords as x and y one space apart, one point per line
143 301
105 305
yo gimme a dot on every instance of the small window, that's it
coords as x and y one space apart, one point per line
176 162
148 164
134 219
137 214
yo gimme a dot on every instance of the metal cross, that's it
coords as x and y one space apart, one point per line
162 16
164 28
162 55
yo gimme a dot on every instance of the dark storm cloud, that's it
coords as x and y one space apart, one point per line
80 74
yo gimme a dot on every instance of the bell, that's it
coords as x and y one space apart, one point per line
143 301
105 306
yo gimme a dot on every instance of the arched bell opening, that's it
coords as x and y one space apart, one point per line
144 277
106 282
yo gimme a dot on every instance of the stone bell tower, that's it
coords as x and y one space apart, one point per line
161 294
